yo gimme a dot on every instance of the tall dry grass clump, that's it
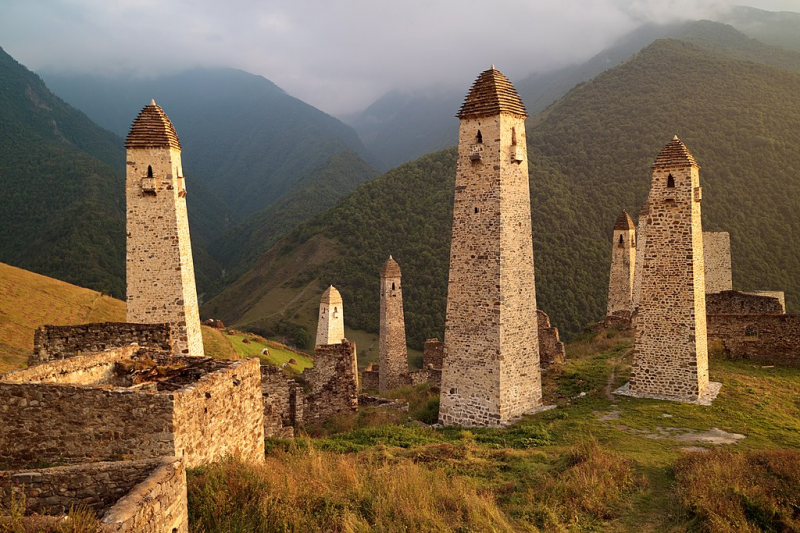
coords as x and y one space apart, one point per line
312 490
741 492
17 519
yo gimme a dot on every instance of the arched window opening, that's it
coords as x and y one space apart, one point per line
149 171
479 138
620 238
393 288
670 182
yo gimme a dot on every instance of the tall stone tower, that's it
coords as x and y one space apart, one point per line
491 368
160 271
623 261
330 326
670 352
393 357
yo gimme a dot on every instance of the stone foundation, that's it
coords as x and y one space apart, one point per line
61 342
133 405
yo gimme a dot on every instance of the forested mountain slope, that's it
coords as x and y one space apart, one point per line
590 156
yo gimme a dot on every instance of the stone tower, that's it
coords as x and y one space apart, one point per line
623 261
330 326
670 352
393 358
160 271
491 368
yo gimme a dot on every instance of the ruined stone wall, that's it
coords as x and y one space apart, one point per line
670 350
156 505
54 490
717 257
392 352
779 295
551 349
433 354
283 402
333 380
221 414
159 267
70 423
60 342
741 303
766 339
89 369
491 371
370 377
623 263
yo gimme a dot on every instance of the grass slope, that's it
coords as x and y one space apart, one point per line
590 155
598 462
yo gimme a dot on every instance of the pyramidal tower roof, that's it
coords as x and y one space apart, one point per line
390 269
675 154
152 129
331 296
492 94
624 222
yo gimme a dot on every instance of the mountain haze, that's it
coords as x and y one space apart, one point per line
590 158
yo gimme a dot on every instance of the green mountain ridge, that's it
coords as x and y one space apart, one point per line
590 155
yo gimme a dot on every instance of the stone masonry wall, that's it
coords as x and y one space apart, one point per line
670 350
717 257
433 354
765 339
156 505
551 349
72 423
283 402
54 490
159 266
623 262
392 352
370 377
333 380
491 372
221 414
89 369
779 295
60 342
740 303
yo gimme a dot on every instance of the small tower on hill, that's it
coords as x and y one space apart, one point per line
393 357
330 326
159 267
670 352
623 260
491 370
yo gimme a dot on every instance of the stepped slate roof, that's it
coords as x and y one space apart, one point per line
675 154
331 296
492 94
152 129
624 222
390 269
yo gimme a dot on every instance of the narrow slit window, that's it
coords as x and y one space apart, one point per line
513 136
479 138
149 171
393 286
670 182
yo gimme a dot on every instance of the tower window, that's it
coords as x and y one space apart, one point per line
393 288
670 182
513 135
479 138
149 171
477 210
620 238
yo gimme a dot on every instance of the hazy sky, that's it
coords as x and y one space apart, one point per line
339 55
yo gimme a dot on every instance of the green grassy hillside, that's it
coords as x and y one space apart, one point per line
589 158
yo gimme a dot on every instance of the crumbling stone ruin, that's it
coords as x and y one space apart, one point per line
62 342
393 356
491 368
333 381
284 401
623 262
132 403
330 325
431 371
160 271
144 496
551 349
670 350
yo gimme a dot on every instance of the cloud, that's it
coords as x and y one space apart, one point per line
339 55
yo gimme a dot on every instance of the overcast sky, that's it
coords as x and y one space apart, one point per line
339 55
